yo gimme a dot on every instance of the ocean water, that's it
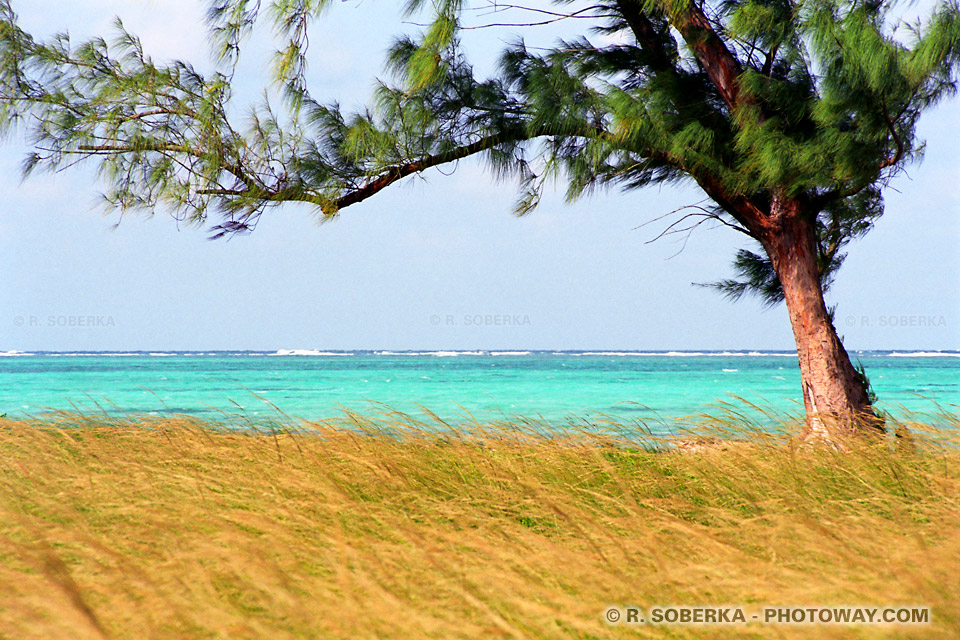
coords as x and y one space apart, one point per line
557 386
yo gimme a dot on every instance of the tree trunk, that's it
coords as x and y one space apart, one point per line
834 394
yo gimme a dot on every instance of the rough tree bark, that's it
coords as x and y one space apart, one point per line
834 395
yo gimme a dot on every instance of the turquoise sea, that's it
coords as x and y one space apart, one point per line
555 385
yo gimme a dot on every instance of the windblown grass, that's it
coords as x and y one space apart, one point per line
367 528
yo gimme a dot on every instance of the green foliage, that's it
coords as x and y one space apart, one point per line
824 109
757 276
865 381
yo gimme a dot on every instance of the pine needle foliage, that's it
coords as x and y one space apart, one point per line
749 99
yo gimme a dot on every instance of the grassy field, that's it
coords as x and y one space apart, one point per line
362 528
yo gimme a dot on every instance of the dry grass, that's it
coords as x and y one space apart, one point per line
176 529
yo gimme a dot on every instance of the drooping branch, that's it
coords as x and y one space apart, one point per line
398 172
165 147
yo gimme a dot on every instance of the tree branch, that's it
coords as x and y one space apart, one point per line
742 208
895 158
164 147
401 171
647 36
718 61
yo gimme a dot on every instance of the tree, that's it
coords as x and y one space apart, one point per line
791 115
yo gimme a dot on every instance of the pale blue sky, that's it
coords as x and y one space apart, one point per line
575 276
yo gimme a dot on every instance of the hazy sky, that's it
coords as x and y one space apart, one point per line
438 263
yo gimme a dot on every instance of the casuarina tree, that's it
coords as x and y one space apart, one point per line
790 115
